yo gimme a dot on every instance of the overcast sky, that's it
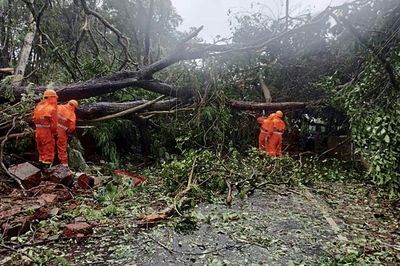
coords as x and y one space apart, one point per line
213 14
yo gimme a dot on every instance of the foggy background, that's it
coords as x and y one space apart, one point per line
213 14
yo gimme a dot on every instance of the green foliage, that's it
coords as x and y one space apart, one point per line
212 169
113 136
372 105
94 67
6 88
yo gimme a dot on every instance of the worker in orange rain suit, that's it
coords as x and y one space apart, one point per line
45 119
265 131
274 145
66 126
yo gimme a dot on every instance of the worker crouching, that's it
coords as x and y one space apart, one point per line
45 119
66 126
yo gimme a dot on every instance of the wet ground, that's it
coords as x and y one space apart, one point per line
272 227
267 228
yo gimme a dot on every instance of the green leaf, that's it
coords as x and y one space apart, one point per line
387 139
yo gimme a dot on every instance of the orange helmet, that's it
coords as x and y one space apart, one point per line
50 93
73 103
279 114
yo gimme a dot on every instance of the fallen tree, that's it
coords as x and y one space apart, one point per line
100 109
143 78
247 105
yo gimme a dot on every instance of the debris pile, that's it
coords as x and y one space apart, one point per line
44 190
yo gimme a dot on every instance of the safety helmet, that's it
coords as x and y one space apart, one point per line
73 103
279 114
50 93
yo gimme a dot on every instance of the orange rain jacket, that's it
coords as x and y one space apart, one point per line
45 119
265 131
274 146
66 125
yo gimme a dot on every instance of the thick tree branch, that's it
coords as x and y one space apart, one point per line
92 111
143 78
244 105
128 111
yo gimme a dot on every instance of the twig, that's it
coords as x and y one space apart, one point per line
2 155
16 135
182 193
122 39
171 209
17 251
161 244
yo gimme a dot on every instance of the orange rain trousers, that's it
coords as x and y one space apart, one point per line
274 145
45 143
62 143
262 139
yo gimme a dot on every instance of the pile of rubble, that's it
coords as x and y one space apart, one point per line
45 190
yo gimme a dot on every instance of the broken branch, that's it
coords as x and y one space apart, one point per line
129 111
2 155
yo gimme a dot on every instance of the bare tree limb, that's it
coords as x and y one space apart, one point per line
2 157
128 111
122 39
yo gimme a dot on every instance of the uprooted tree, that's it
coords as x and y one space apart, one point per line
112 60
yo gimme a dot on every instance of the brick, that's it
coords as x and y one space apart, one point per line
49 198
41 213
77 230
29 174
60 174
85 181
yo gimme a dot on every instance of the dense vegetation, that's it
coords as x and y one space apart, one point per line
342 65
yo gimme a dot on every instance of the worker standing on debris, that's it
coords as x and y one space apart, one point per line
45 119
265 131
278 126
66 126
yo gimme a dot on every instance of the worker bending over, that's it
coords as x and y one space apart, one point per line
274 145
66 126
45 119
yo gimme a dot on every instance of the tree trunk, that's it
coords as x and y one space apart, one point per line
25 52
265 90
100 109
243 105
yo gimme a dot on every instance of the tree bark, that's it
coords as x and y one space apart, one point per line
265 90
25 52
100 109
244 105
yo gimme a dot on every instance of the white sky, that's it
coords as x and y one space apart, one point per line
213 14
